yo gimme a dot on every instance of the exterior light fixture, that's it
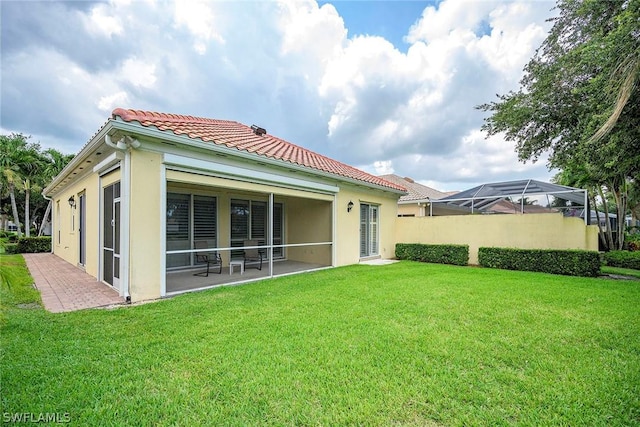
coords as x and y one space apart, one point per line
349 206
72 201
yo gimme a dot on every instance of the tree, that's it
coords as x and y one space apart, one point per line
53 163
31 168
26 169
578 100
577 175
13 162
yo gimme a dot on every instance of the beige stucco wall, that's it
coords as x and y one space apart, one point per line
66 221
531 231
146 233
309 221
411 209
348 223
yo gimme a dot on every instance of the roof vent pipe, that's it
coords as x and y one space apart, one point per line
258 130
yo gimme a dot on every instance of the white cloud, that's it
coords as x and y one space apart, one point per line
138 72
108 103
199 19
450 15
309 28
288 66
383 167
102 21
385 103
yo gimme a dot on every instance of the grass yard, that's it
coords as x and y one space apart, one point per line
620 271
402 344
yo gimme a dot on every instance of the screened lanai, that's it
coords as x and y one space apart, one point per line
284 231
521 196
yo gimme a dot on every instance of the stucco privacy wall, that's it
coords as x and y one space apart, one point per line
531 231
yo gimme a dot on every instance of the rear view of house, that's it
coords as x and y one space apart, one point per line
150 192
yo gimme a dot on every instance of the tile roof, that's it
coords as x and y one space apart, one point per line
416 190
241 137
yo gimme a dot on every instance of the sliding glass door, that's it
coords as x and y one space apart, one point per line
250 221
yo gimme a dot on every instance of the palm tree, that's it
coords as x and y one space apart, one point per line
32 166
13 162
54 162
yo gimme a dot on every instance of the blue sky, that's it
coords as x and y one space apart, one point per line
386 86
388 19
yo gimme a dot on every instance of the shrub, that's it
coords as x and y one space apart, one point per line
11 248
34 244
441 254
567 262
623 259
632 241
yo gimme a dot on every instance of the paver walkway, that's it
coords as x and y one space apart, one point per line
65 287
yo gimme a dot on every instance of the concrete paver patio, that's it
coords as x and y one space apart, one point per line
65 287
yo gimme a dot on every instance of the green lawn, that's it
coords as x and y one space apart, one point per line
402 344
621 271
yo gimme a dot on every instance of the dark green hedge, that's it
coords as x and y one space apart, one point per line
567 262
11 248
623 259
441 254
34 244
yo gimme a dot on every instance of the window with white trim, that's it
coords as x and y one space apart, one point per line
189 218
369 230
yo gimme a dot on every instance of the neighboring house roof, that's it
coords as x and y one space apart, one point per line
509 206
248 139
416 191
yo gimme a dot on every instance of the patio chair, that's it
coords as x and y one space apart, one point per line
253 255
212 258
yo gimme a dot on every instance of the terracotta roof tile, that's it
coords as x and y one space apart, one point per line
236 135
415 190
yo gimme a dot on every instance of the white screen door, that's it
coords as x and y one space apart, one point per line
111 235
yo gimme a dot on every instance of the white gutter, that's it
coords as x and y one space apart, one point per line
125 197
163 230
270 237
334 230
124 145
